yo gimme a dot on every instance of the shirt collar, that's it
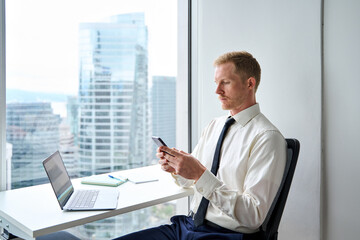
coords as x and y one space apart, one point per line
247 114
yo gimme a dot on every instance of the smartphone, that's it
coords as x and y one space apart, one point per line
160 143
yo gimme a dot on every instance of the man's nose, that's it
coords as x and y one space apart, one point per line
218 89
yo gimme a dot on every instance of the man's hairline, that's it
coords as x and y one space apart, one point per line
236 71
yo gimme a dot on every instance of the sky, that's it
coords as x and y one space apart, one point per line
42 39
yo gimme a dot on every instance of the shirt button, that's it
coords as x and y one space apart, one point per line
201 190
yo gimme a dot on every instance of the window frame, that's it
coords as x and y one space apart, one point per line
3 172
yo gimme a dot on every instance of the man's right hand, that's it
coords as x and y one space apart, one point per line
164 162
180 163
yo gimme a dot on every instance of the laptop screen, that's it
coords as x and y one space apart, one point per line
59 178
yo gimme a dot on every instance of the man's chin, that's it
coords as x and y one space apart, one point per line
225 107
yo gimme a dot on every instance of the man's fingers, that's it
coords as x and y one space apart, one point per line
168 150
160 154
181 151
167 168
163 161
171 164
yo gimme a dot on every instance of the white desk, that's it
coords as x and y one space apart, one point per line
34 211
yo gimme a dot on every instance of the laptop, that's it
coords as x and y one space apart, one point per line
80 199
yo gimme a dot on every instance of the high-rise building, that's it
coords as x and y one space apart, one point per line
33 131
72 117
68 149
114 127
163 102
114 124
68 137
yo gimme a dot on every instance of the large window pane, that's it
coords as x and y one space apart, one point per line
93 79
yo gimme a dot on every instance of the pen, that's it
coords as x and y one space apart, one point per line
117 178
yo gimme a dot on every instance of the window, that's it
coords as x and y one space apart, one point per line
92 79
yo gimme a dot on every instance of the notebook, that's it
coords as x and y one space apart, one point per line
71 199
103 180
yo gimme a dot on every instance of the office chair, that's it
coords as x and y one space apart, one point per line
269 228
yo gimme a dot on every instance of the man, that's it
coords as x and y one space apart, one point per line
235 176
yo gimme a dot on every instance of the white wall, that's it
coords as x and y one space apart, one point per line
341 119
285 37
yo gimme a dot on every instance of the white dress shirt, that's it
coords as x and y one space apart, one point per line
252 162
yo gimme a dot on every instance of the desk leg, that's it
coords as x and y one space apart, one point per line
8 236
183 206
5 235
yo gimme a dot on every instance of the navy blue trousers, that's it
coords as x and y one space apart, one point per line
182 228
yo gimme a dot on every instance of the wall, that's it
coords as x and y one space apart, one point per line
285 37
341 119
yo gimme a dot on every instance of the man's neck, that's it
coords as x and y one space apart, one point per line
241 108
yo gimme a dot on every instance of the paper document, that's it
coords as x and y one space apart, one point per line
140 177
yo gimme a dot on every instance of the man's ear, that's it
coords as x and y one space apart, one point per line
251 82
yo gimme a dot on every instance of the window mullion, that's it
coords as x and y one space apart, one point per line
2 99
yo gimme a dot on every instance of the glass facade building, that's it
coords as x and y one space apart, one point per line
114 126
33 131
163 103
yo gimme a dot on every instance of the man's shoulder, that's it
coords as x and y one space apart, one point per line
264 127
262 122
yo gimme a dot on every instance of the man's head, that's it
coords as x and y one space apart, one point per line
237 76
245 65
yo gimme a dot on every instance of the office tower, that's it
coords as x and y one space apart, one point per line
114 128
163 99
68 149
68 137
33 131
72 117
114 125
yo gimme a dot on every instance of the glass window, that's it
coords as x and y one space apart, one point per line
91 79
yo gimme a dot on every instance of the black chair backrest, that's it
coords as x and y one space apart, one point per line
271 224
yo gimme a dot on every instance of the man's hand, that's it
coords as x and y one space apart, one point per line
181 163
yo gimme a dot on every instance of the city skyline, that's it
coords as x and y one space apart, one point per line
114 88
108 125
26 57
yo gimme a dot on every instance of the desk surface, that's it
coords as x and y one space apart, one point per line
34 211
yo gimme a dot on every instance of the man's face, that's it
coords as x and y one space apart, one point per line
233 93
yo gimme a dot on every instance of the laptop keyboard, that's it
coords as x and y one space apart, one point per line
84 199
